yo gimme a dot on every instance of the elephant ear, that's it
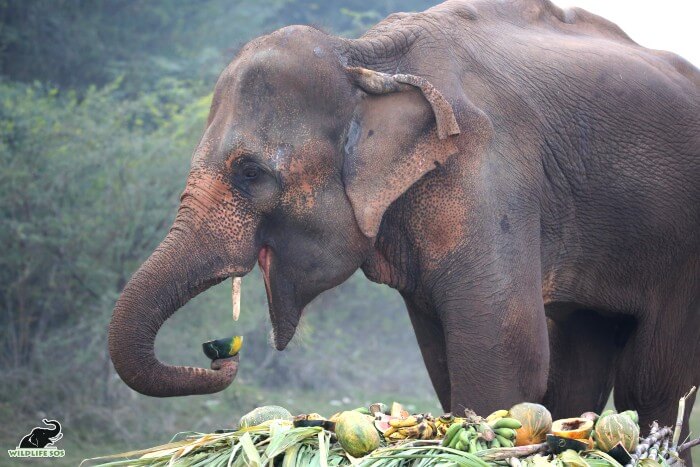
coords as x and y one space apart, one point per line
401 129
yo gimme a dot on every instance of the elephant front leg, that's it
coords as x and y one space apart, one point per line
497 349
431 340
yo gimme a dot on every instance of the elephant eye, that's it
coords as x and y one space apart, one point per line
251 173
254 181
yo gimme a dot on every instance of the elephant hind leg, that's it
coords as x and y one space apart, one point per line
584 346
659 365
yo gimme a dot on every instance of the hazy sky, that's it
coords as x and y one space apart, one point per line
668 25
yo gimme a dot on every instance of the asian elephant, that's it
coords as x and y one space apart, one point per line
40 437
527 177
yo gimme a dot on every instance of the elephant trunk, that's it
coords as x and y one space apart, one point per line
56 427
180 268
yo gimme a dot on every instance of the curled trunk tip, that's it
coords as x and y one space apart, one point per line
160 287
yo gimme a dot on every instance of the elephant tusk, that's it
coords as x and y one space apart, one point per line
236 297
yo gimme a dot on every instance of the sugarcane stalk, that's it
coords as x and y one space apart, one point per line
665 432
664 449
679 419
654 451
655 437
500 454
426 442
688 445
646 442
674 459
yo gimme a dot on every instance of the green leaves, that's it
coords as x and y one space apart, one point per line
97 129
84 198
283 441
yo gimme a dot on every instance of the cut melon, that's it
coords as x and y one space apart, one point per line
617 428
264 414
573 428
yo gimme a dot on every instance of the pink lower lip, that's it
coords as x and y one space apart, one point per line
264 259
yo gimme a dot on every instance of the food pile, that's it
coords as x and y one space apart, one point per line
381 435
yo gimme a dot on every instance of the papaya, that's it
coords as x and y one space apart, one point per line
573 428
617 428
264 414
536 422
356 433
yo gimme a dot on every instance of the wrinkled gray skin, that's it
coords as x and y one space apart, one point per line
529 180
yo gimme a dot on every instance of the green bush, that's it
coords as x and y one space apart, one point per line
90 186
94 157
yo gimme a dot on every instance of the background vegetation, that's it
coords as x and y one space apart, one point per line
101 105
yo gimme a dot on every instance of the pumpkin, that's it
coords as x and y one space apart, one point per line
536 423
356 433
573 428
264 414
616 428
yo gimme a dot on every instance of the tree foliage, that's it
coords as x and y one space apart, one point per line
101 105
78 43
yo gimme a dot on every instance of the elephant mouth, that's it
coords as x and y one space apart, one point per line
264 261
282 301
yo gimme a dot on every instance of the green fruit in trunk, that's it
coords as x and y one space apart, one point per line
616 428
264 414
223 348
356 434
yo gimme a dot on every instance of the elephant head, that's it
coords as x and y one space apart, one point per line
301 156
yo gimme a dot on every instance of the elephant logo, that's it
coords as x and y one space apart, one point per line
40 437
40 441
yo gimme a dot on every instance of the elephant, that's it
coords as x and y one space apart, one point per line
525 176
39 437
